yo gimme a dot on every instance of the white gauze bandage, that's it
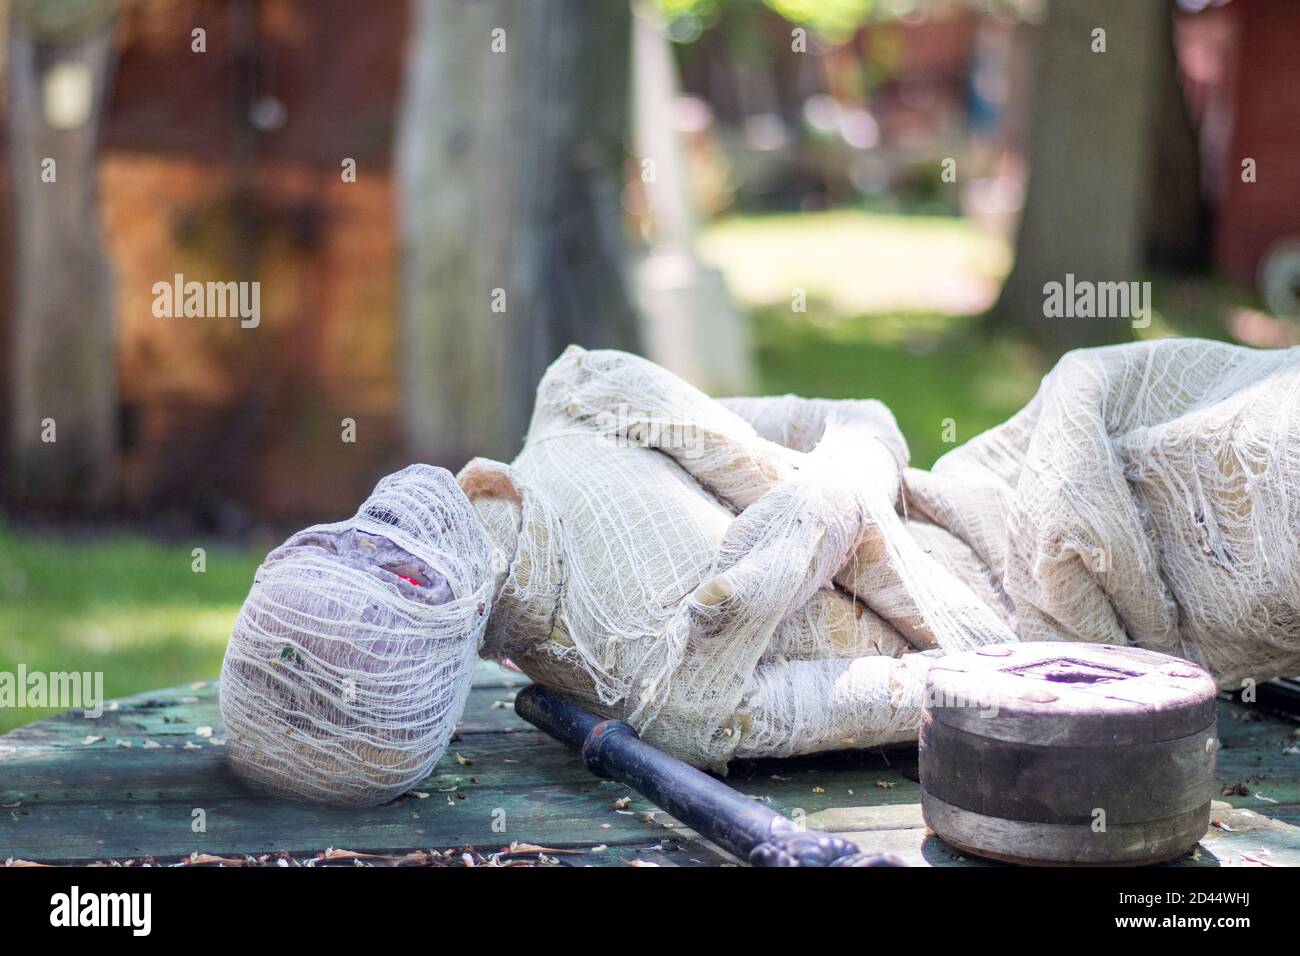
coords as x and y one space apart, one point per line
351 659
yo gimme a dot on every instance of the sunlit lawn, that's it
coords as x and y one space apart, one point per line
891 311
889 306
858 263
126 606
940 380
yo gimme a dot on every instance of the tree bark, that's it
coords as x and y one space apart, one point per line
63 360
509 167
1178 228
1108 182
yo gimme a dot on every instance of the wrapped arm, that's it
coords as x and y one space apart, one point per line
773 558
854 457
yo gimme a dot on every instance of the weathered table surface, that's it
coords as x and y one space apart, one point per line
149 779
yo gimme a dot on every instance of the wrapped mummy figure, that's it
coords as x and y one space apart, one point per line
765 576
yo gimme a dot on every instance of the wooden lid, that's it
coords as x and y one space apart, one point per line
1070 694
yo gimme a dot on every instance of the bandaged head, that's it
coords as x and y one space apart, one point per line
351 659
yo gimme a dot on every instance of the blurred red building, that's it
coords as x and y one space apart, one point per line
1262 89
228 164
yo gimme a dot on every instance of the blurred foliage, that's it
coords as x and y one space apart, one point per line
833 20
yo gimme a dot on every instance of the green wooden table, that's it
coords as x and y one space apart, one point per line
149 779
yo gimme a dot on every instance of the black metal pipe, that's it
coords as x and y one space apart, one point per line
744 827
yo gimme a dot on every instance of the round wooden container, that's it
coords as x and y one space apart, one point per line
1059 753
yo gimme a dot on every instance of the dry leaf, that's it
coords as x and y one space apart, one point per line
523 848
200 858
333 854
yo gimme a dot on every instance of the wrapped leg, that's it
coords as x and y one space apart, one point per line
774 558
799 707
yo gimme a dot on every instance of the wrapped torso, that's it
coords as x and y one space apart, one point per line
1147 495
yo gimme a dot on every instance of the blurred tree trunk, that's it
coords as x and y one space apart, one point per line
1113 179
509 167
1177 215
63 371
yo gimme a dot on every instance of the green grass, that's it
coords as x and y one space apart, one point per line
128 607
893 307
858 262
939 377
890 313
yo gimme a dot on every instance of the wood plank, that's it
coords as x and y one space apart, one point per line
1235 838
66 800
62 800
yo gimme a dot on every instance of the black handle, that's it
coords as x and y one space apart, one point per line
746 828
